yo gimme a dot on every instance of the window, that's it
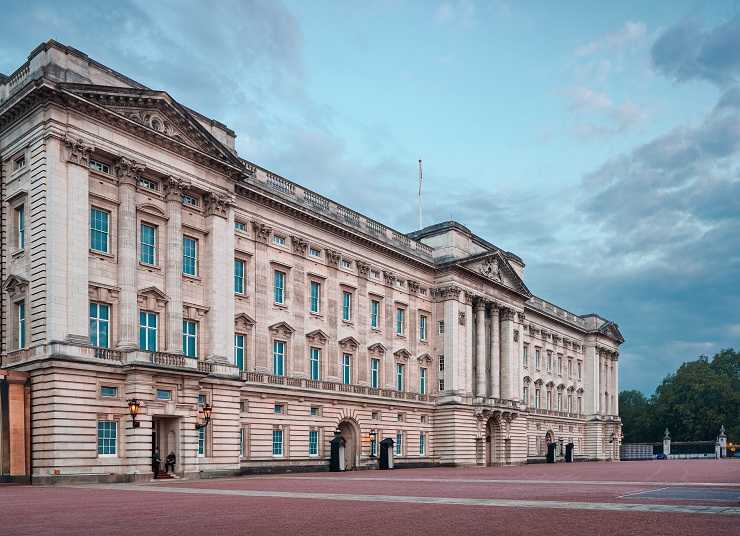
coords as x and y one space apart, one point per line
239 269
549 361
401 417
148 244
570 403
525 356
346 306
202 399
99 166
242 443
373 446
279 409
277 442
580 405
315 358
19 163
239 351
313 442
278 240
108 391
537 398
441 327
422 327
560 401
375 415
422 444
148 331
149 184
314 411
570 368
190 338
107 438
240 226
164 394
400 321
399 444
422 380
441 375
560 364
313 252
21 324
400 369
189 256
278 358
244 406
99 324
525 394
279 286
20 227
99 230
579 370
423 419
374 373
549 398
346 368
315 297
201 441
537 356
374 314
190 200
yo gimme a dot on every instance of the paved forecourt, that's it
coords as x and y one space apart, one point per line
653 497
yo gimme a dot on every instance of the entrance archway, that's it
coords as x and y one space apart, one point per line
494 442
350 432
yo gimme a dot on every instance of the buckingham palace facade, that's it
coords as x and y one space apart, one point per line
252 320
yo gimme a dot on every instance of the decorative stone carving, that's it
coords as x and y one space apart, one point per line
363 268
389 277
151 298
349 343
193 311
424 359
243 322
376 350
261 231
299 245
413 285
332 256
450 292
317 336
174 187
490 269
281 329
461 318
516 335
128 171
15 286
403 354
218 204
106 294
78 151
506 314
521 317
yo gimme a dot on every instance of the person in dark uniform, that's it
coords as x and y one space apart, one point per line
169 462
156 461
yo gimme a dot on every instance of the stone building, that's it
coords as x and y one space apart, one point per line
144 259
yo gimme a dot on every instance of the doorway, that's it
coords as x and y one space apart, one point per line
351 435
494 443
166 440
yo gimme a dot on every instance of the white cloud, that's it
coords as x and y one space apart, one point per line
632 32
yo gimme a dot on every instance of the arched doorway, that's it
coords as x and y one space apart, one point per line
494 442
350 432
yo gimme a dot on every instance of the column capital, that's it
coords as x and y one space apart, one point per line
77 151
174 187
507 313
449 292
299 244
218 204
261 230
128 171
480 304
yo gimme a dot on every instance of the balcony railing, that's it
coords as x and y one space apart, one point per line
167 359
322 385
554 413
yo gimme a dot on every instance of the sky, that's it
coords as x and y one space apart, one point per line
598 141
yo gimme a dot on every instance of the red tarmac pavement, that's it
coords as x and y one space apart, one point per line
583 498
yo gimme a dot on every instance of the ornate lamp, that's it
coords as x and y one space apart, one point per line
133 408
207 409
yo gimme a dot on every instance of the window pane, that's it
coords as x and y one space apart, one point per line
107 435
189 256
148 244
99 229
239 276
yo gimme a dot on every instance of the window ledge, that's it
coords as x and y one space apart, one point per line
103 254
192 278
146 266
18 253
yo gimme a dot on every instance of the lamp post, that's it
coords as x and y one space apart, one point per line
133 408
207 409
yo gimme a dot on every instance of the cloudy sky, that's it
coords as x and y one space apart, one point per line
601 144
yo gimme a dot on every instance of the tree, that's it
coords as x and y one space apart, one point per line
693 402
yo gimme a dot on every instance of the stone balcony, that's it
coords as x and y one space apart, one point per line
554 413
322 385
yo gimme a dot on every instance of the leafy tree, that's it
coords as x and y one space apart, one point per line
693 402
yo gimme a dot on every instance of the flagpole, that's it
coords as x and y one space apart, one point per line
419 195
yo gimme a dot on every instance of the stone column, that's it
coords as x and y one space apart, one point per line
451 306
263 296
494 390
480 348
127 172
518 375
219 274
602 382
507 352
615 372
173 263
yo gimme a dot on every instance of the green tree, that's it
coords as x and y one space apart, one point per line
636 414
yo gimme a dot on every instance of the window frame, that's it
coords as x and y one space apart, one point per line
153 245
101 441
346 368
313 443
314 358
189 337
279 357
422 380
374 314
193 257
400 377
102 232
278 290
374 373
423 327
148 329
277 432
314 301
21 319
240 279
98 321
243 350
347 305
19 217
400 323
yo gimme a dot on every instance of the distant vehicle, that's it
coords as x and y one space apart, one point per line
661 456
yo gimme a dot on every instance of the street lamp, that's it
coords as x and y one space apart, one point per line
207 409
133 408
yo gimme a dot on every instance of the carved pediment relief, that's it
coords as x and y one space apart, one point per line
424 359
192 311
349 343
376 349
151 298
495 267
15 286
243 322
402 353
317 336
282 329
105 294
611 330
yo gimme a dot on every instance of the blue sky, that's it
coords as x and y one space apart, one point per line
599 141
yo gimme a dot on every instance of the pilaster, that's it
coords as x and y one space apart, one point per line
495 369
173 267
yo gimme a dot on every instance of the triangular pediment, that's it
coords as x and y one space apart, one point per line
349 342
402 353
243 322
153 292
495 267
611 330
15 286
377 348
282 328
424 358
317 335
157 113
